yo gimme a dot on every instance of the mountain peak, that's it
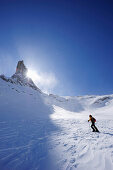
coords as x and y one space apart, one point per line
21 68
20 77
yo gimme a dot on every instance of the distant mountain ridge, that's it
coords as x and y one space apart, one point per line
73 104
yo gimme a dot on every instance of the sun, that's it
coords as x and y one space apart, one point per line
32 74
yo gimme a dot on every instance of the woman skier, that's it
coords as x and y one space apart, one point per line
93 120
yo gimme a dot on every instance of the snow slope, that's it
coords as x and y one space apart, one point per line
25 128
41 132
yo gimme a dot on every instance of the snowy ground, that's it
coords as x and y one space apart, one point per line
40 132
77 147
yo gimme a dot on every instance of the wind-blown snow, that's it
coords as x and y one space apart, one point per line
44 132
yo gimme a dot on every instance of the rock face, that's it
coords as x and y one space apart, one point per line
21 68
20 77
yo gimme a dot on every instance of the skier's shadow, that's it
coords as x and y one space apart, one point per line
108 134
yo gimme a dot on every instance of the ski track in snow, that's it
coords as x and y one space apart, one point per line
79 148
25 144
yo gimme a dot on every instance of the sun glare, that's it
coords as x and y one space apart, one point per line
45 81
32 74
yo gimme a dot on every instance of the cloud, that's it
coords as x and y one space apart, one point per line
45 81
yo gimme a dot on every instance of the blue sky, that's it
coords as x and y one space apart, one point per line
67 42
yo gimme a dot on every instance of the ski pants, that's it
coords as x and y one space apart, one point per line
94 127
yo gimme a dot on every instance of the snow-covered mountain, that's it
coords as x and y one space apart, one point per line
50 132
20 77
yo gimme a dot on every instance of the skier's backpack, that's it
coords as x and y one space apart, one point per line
94 119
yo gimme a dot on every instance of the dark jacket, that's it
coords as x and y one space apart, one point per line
92 119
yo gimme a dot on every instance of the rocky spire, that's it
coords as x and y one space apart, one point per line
21 68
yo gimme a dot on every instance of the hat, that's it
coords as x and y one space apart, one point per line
90 115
